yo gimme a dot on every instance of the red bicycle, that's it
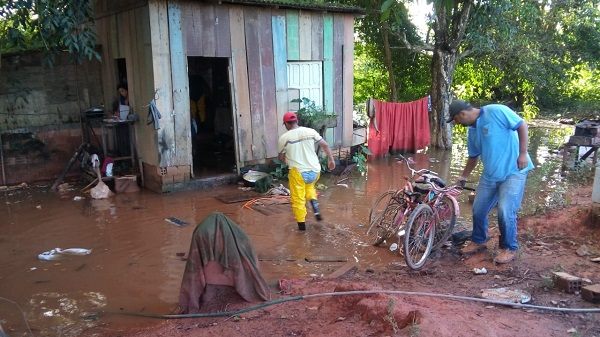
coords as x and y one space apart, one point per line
423 212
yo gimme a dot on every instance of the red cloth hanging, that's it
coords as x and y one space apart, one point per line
402 126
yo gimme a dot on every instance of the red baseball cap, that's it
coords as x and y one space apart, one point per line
290 117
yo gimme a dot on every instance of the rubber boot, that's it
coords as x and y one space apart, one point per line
315 206
301 226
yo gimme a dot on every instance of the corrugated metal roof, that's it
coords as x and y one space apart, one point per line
300 4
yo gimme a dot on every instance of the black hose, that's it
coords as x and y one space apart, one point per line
363 292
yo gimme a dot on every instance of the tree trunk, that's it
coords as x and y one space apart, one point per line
388 62
442 75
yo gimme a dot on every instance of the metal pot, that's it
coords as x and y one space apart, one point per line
251 177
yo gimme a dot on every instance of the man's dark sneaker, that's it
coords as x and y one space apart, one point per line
301 226
315 206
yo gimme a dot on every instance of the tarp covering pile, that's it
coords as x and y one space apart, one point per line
217 239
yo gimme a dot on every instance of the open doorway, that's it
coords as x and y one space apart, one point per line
213 143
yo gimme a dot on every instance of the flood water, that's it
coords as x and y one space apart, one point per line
136 264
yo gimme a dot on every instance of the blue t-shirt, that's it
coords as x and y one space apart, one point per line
494 138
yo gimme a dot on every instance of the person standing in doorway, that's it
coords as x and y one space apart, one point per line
121 109
498 136
297 150
121 102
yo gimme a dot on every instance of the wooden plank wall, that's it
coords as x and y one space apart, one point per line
181 104
280 63
163 86
338 71
328 84
258 42
127 35
348 80
240 90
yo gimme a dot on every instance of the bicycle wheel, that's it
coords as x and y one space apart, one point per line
418 239
382 216
445 221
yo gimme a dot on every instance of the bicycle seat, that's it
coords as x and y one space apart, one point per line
438 181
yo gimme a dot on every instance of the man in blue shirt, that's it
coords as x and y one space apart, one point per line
497 136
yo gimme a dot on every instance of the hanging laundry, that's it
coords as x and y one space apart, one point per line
399 126
153 115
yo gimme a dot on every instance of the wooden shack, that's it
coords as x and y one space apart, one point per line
233 67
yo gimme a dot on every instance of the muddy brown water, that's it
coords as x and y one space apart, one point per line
136 264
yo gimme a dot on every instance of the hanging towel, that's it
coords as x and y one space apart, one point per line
153 115
399 126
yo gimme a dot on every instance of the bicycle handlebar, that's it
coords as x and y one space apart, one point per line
414 172
423 172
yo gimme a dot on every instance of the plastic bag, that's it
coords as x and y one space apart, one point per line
101 191
57 253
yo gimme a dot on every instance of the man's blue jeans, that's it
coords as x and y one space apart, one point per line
508 194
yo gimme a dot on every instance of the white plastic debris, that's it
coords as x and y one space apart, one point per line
394 247
56 253
479 271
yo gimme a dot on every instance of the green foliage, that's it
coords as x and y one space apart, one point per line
313 116
264 184
533 55
360 158
359 115
281 170
372 74
323 163
51 25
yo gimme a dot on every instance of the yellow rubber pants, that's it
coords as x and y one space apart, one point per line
300 192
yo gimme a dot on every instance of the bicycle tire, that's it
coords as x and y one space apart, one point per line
445 221
382 217
418 239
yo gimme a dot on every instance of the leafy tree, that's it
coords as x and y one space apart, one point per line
385 68
515 51
50 25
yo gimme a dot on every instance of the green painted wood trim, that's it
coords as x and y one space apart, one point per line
293 40
328 83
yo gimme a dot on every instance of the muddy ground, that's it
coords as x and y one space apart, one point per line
565 240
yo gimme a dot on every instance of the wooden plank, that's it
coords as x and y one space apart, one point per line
108 77
132 62
338 71
190 17
348 80
317 37
114 37
146 136
293 43
343 270
181 104
163 87
280 68
305 35
241 98
255 83
223 32
328 79
326 258
209 44
123 36
268 83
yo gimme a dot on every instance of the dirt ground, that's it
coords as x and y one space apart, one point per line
566 240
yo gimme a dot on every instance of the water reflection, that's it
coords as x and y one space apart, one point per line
136 264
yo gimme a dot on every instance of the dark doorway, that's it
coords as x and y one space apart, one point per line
213 142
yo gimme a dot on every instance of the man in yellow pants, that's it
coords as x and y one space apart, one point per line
297 150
